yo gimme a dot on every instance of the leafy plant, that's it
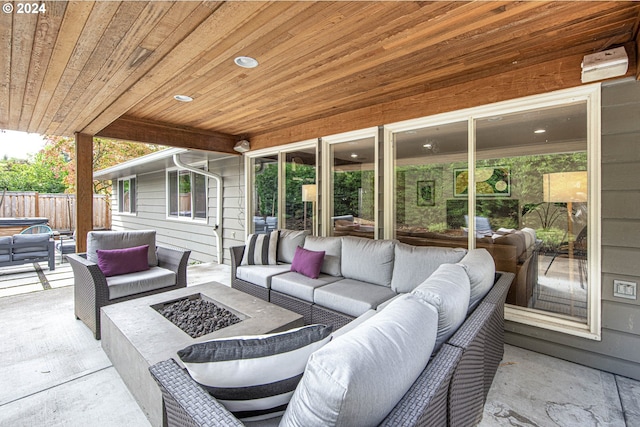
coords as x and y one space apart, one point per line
547 212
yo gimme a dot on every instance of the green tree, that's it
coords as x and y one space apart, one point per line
40 173
106 153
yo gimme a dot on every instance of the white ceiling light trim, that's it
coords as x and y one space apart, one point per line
183 98
246 62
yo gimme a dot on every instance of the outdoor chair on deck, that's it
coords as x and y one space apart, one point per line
123 265
66 245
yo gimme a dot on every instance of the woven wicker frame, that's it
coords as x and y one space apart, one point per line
451 391
329 317
292 304
91 291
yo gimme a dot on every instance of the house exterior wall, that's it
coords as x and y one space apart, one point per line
194 235
620 164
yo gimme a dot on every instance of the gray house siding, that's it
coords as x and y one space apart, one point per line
620 164
193 235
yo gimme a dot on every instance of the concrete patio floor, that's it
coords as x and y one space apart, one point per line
55 373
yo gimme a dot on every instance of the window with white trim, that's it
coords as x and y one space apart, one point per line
186 195
127 195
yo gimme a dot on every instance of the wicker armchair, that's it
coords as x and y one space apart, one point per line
92 290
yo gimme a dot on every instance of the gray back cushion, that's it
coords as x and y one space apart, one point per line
332 247
368 260
288 241
39 241
481 269
5 240
120 240
358 377
448 291
413 264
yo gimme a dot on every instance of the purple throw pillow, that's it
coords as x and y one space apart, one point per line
307 262
113 262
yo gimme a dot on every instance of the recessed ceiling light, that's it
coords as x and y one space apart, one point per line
183 98
539 131
428 145
354 156
246 62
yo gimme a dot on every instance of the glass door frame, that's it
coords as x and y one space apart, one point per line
591 95
281 151
327 181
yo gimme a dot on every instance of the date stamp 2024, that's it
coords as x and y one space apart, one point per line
25 8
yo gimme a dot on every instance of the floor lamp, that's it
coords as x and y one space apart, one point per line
308 195
566 187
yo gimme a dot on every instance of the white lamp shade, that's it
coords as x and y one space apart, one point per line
309 193
563 187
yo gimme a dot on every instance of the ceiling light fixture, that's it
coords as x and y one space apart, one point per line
354 156
539 131
246 62
183 98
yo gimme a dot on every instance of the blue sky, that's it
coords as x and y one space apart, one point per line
19 144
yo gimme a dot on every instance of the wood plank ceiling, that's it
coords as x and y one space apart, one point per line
112 68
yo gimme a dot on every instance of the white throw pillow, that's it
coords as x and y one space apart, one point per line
359 377
261 249
254 376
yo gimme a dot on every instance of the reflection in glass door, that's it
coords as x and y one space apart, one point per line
353 188
427 209
300 190
532 205
265 194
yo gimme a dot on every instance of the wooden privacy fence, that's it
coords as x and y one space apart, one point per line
58 208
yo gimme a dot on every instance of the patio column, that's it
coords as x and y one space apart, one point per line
84 189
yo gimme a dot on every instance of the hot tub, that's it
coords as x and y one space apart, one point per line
11 226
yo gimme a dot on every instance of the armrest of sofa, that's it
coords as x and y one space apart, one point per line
87 273
236 253
175 260
498 292
426 401
185 402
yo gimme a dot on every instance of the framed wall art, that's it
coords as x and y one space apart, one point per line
490 182
426 193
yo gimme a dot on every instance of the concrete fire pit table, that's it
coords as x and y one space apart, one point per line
135 335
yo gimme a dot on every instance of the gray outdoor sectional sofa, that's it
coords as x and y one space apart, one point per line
443 382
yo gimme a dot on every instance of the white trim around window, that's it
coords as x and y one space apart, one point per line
127 195
187 194
587 93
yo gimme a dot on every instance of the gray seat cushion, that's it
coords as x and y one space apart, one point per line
359 377
39 242
448 291
368 260
288 241
481 269
260 275
141 281
332 247
300 286
120 240
351 297
413 264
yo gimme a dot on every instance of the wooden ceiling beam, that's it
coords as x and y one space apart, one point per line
132 129
540 78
